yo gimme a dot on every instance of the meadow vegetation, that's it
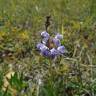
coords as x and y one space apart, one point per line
24 72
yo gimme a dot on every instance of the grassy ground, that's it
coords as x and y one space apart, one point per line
24 72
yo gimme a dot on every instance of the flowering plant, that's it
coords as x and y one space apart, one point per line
51 46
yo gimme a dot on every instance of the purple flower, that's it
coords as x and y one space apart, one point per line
62 49
44 48
44 34
48 49
45 52
44 40
56 42
59 36
41 46
54 52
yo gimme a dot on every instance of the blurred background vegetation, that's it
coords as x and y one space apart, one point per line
21 22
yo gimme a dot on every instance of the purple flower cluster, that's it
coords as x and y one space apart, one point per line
54 51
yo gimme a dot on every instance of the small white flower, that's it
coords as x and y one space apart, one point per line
39 81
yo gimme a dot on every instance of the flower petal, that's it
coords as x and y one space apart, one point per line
45 40
56 42
44 34
44 48
59 36
54 52
45 52
62 49
41 46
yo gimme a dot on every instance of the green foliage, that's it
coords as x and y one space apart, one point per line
48 89
17 82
